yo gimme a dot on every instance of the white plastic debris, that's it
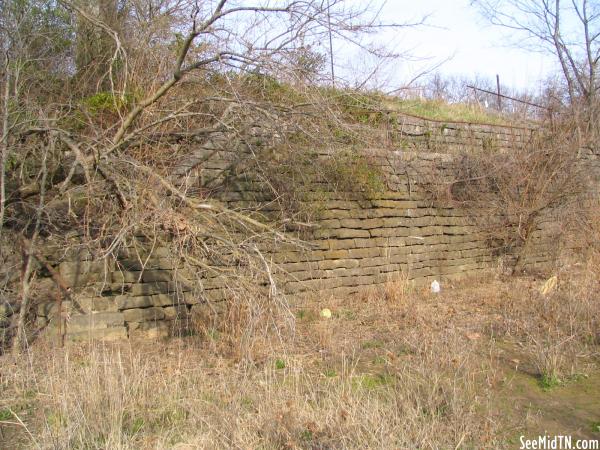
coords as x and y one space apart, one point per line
435 287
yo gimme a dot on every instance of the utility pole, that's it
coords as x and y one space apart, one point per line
330 43
498 91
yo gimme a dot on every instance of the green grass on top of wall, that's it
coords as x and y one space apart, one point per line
441 110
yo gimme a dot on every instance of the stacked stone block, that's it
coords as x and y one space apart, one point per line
359 240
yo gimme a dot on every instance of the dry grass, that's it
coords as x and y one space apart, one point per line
393 368
119 398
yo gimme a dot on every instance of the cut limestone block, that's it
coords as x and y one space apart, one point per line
94 321
103 334
143 315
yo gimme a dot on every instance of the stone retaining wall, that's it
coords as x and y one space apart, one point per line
359 239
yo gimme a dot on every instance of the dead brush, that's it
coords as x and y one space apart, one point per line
557 332
398 289
171 393
549 358
514 192
249 323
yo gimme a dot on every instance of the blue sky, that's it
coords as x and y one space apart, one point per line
458 32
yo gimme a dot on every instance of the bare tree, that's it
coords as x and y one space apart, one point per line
569 29
99 96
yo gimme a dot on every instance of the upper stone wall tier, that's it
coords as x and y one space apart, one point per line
448 136
206 162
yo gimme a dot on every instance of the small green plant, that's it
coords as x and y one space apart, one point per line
170 417
375 343
213 334
350 171
549 381
107 102
136 426
11 162
344 136
595 427
279 364
271 89
307 180
329 373
371 382
74 120
576 377
55 420
5 414
306 436
380 360
428 139
347 314
306 315
247 403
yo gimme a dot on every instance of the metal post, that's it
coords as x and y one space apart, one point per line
498 90
330 44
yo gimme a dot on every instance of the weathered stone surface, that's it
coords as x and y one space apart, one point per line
99 304
338 263
161 287
125 277
359 271
307 275
149 276
102 334
367 224
207 314
365 252
192 298
164 300
143 315
73 279
175 312
344 233
68 269
391 232
329 254
345 244
214 295
141 264
94 320
128 302
329 223
298 267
